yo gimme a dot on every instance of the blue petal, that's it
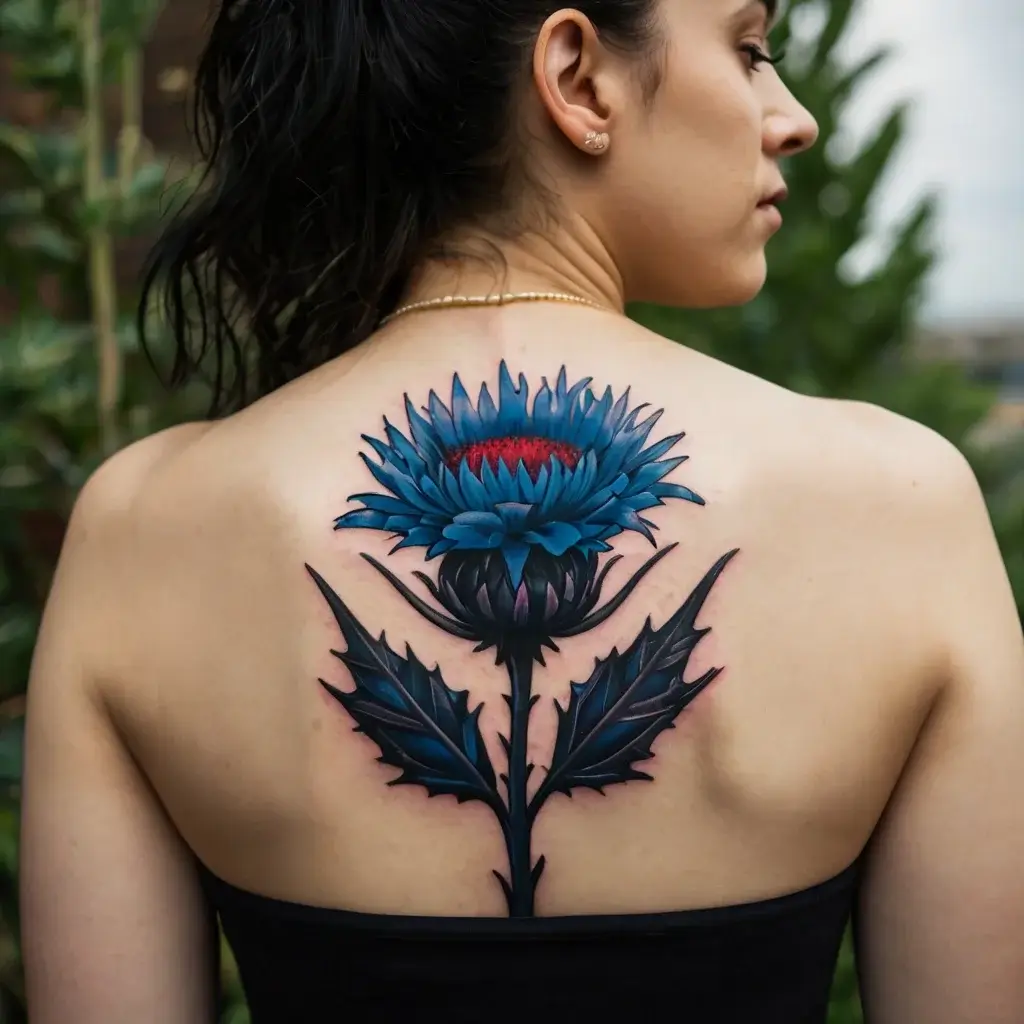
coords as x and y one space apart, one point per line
516 553
481 520
421 537
399 484
442 501
512 411
361 519
524 482
645 428
465 538
514 515
384 453
627 519
540 485
507 483
582 479
600 505
638 502
450 486
413 459
568 407
579 412
592 531
442 547
611 422
476 531
472 489
653 472
438 522
491 483
617 454
402 524
560 384
654 452
542 409
424 435
555 538
676 491
554 489
630 421
384 503
594 421
467 425
506 399
442 420
486 410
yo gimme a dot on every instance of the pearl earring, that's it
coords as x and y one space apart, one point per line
596 142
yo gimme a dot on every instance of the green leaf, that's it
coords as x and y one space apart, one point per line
18 144
148 183
49 241
130 21
96 213
21 18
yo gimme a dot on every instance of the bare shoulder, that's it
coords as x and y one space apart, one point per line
106 543
897 438
911 464
116 487
816 462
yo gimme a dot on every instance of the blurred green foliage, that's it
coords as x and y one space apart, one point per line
53 221
814 329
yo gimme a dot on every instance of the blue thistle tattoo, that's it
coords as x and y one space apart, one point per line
519 502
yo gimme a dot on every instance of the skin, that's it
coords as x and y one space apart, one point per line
872 695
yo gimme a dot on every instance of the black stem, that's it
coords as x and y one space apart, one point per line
523 877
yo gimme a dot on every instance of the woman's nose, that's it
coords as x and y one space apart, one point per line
789 128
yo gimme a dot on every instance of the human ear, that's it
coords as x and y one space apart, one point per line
575 80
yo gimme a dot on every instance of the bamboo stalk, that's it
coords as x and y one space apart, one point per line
130 137
102 283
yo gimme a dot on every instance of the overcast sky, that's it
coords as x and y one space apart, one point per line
963 63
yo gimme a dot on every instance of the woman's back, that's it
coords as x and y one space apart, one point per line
471 668
831 627
773 777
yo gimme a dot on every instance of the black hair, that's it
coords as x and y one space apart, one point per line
341 140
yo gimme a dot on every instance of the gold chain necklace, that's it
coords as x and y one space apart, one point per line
462 301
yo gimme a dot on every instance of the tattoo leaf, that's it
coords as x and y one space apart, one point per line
419 724
630 698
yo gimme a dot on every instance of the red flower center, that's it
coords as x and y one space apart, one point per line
533 452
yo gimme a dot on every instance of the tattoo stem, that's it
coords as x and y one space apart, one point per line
517 836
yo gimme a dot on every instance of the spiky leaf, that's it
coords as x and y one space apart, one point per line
420 725
613 718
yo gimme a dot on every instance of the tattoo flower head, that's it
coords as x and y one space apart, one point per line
519 500
567 474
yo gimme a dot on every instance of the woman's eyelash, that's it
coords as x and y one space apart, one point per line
758 56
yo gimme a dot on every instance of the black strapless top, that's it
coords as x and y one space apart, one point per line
769 962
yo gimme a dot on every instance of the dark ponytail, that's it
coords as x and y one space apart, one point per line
342 139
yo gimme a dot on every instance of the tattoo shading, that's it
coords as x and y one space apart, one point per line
519 502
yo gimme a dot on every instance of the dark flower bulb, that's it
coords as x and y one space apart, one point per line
555 594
